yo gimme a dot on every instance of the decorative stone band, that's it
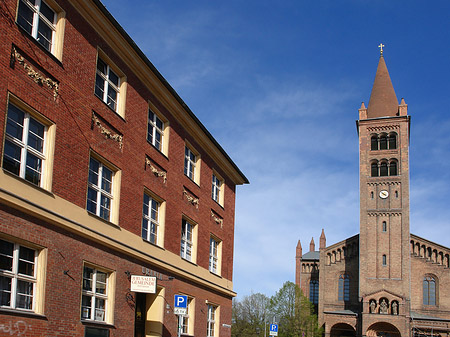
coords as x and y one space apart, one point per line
35 76
383 127
155 171
384 213
190 198
385 183
217 220
107 133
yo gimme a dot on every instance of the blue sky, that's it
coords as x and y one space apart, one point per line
279 85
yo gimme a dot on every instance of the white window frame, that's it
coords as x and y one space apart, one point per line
150 219
16 276
212 319
190 161
25 147
95 314
153 130
217 188
97 187
39 17
187 240
107 84
214 245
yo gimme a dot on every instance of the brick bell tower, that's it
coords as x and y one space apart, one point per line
384 275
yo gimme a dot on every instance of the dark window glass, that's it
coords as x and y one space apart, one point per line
374 143
383 142
314 291
383 169
344 288
374 170
393 168
392 141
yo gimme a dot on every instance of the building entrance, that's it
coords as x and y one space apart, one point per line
140 315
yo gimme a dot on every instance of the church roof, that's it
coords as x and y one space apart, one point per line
311 256
383 101
415 315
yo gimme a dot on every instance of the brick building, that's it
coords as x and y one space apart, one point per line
107 178
384 281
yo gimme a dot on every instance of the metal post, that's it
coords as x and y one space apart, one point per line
179 326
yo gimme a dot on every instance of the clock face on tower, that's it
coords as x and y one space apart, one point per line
384 194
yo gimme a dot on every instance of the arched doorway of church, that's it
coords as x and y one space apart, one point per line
382 329
342 330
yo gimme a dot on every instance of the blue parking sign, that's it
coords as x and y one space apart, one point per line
180 307
273 330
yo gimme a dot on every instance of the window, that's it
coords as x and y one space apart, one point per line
314 291
384 260
344 288
214 255
153 219
217 189
429 290
43 20
374 142
155 131
96 332
189 163
102 186
384 226
110 85
27 145
383 141
392 141
187 321
187 240
383 169
94 300
393 168
18 276
211 321
374 169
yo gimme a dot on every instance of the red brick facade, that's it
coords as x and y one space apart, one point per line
56 86
383 281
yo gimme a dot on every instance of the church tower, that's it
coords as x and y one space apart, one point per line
384 275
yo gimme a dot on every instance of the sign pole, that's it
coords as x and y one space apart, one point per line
179 326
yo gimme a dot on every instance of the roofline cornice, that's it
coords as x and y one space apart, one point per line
114 35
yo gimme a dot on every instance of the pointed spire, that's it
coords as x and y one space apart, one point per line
323 239
298 250
383 101
312 245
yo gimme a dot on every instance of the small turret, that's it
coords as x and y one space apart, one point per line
312 245
323 240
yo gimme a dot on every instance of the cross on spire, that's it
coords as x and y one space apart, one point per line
381 48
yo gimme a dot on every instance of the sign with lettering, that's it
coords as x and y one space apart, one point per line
143 284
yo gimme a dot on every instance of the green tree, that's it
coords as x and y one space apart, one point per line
248 316
294 312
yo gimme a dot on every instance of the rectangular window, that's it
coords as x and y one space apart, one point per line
213 255
189 163
150 223
39 20
94 300
17 276
100 189
187 241
155 130
107 84
96 332
211 321
25 145
216 190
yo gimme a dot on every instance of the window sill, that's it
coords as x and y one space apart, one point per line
103 220
158 150
192 180
41 47
28 183
18 312
97 324
215 274
193 263
111 109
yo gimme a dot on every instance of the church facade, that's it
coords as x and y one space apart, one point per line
383 281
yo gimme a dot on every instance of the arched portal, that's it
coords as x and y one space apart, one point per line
382 329
342 330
